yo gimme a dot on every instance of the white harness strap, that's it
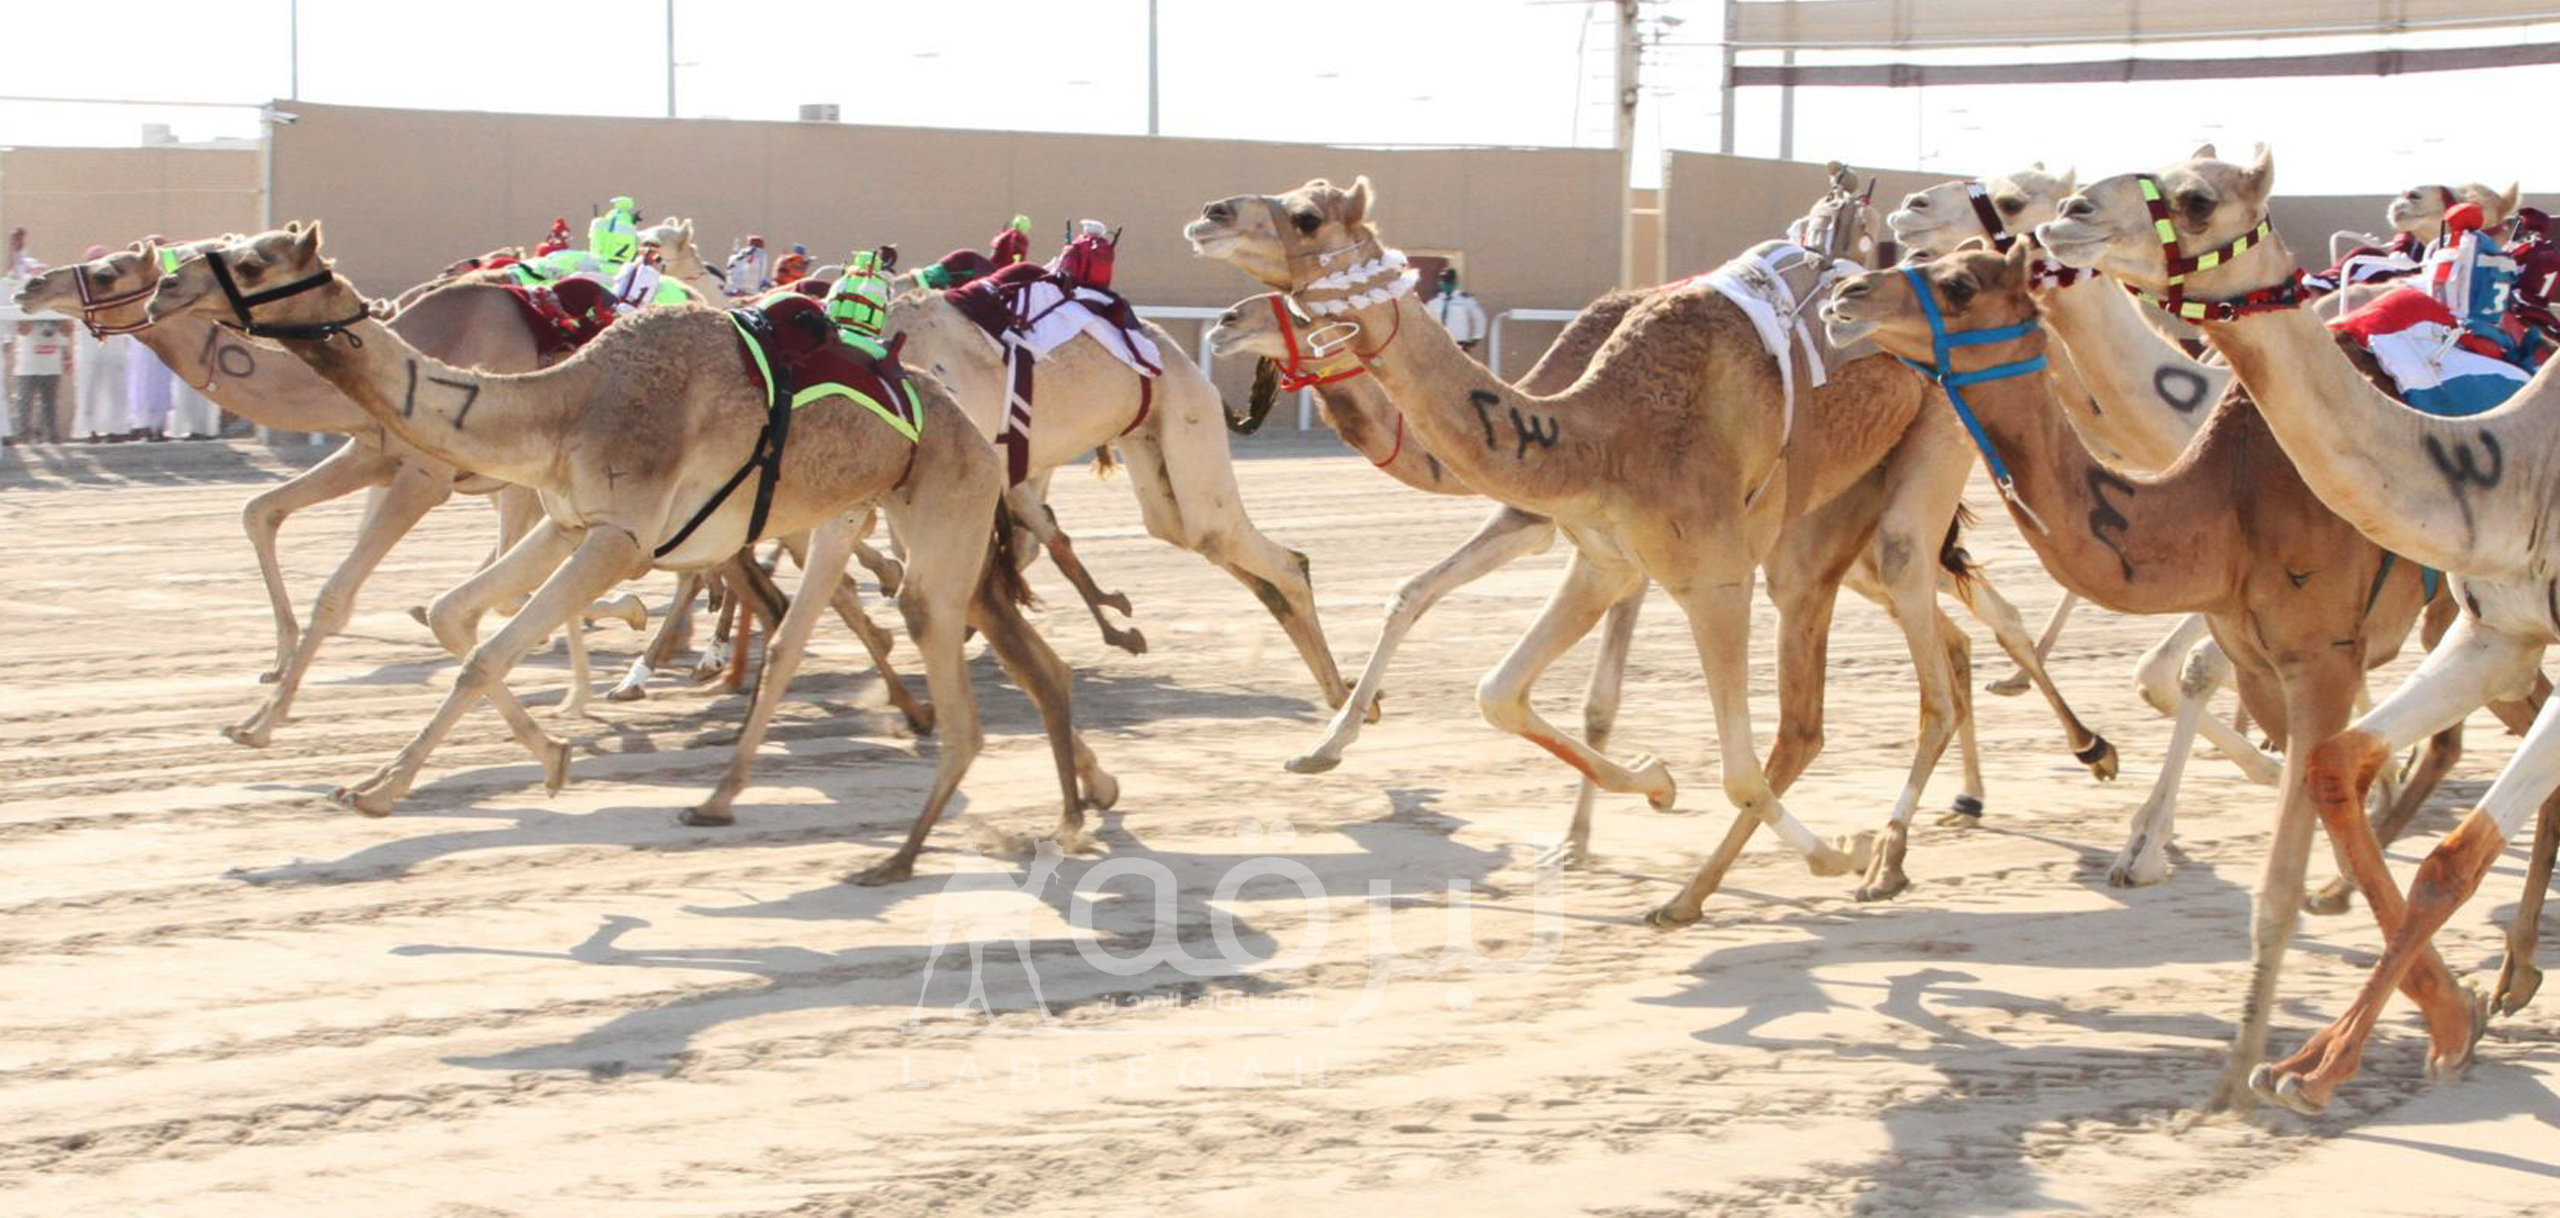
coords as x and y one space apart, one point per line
1757 283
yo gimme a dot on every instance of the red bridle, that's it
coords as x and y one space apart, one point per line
91 306
1293 371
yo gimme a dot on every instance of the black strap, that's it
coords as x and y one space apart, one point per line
766 460
241 304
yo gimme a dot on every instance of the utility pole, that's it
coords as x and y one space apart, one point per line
1724 107
1630 89
1152 127
671 58
293 43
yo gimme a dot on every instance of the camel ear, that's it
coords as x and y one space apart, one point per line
2203 152
1974 242
2514 195
2261 177
2020 254
688 230
2070 182
2038 166
293 226
307 245
1355 203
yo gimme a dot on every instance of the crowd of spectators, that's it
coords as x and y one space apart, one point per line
64 385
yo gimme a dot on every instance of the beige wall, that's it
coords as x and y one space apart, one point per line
71 198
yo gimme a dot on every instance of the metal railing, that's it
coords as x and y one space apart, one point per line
1493 340
1306 397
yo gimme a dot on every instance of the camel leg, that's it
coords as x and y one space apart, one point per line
2010 631
2145 857
1911 586
603 558
626 609
352 468
1719 612
876 641
2016 683
2159 678
1505 537
2518 978
1036 668
455 615
1966 811
1589 588
1181 456
830 546
664 644
715 657
1599 719
2469 667
413 492
1042 524
944 565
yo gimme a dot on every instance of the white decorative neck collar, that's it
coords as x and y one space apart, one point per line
1361 285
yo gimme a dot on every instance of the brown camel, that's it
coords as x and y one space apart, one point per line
1357 407
478 327
1671 458
2301 602
2466 495
630 443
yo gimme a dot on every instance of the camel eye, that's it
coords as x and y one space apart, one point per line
1959 291
2195 203
1308 222
2010 205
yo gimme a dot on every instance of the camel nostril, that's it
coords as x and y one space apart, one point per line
1219 212
2079 208
1915 202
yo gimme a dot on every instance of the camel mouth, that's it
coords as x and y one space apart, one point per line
1844 330
1226 341
28 293
2400 213
1208 238
2073 242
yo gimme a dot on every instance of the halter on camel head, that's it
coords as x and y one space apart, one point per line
1941 369
2288 293
1370 274
2044 271
91 305
318 331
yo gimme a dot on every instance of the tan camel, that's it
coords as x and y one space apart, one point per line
477 327
2301 602
1368 421
630 443
2466 495
2420 210
672 243
1650 463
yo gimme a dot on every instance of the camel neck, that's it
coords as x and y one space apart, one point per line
1360 413
1509 446
2456 494
475 421
258 383
2142 399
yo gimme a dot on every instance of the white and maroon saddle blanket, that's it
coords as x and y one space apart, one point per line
1029 313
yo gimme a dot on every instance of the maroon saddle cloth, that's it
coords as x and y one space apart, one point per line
567 315
998 304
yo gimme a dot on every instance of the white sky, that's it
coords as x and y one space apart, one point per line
1345 71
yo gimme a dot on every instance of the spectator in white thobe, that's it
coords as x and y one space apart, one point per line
1457 312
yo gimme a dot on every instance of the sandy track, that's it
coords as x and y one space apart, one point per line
224 995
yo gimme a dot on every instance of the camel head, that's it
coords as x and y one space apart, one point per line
1975 287
1935 221
1286 241
270 262
2206 204
1290 351
2421 209
110 294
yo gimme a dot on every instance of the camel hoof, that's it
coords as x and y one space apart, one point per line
705 818
1884 889
270 676
1663 918
896 870
628 691
555 767
2011 686
2100 757
1567 855
2517 982
1101 791
891 574
2445 1070
1853 852
1312 763
628 610
1654 779
2330 899
2282 1090
1131 641
248 737
1966 813
1377 709
919 717
2140 866
418 614
365 802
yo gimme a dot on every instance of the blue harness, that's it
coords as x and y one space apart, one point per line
1942 343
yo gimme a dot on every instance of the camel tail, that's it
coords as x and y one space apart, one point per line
1004 569
1105 462
1952 555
